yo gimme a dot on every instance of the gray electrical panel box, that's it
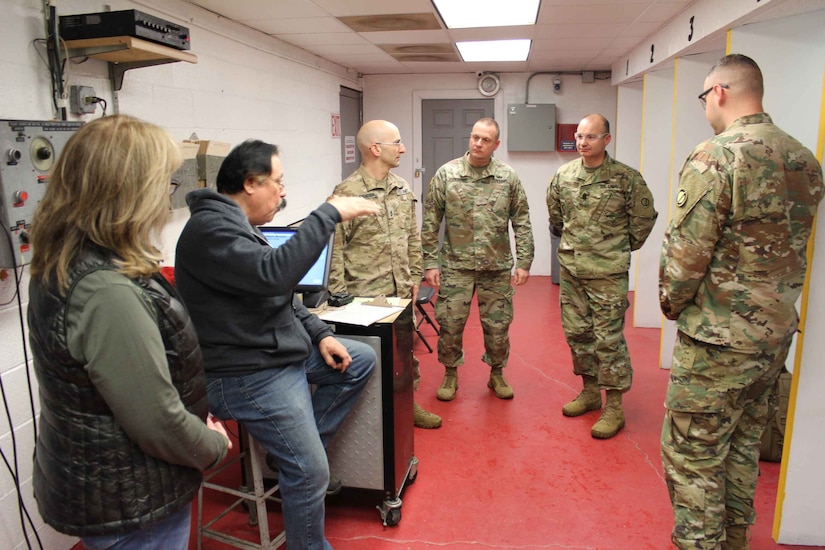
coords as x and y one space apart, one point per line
29 149
531 127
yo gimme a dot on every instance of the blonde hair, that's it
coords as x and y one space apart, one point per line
109 186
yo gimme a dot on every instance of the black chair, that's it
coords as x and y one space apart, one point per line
425 296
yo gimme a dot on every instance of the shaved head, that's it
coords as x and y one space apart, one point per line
381 147
375 131
740 72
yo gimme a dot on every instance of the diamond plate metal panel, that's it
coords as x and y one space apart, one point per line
356 455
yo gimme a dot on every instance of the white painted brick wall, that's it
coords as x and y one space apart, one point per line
243 86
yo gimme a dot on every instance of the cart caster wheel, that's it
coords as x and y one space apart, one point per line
393 517
390 511
412 474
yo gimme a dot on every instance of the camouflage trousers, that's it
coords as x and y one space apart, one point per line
495 309
592 315
416 364
718 401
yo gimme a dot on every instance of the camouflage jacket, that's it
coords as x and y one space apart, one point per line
603 214
477 205
733 260
380 254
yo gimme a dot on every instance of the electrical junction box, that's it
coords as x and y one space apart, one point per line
531 127
77 100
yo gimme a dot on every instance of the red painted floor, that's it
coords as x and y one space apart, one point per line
518 474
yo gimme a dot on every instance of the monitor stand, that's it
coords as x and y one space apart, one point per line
315 299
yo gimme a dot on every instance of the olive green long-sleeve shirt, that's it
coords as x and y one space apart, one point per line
113 330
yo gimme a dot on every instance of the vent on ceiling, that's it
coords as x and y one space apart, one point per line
426 57
399 22
416 48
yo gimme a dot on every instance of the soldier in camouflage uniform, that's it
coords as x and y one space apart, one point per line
477 196
732 267
382 254
602 210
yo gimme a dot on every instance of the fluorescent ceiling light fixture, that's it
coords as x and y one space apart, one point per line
465 14
495 50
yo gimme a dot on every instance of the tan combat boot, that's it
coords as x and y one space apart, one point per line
590 399
449 385
736 538
425 419
612 419
499 385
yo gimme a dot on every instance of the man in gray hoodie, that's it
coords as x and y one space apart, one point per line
261 347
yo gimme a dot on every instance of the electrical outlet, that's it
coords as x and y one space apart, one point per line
80 100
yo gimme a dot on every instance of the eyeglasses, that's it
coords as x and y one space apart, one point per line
703 97
399 143
174 185
589 137
276 182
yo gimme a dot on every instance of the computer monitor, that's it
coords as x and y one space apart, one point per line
314 285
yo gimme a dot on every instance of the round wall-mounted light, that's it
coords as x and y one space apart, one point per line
488 84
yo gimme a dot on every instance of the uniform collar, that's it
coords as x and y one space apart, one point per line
370 183
475 172
756 118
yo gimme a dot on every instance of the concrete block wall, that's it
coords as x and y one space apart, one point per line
244 85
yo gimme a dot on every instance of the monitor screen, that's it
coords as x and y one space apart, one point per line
314 281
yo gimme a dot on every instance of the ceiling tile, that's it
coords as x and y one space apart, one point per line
576 13
565 44
641 29
339 50
263 9
297 26
578 31
313 39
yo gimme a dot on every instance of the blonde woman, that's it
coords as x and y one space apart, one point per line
124 434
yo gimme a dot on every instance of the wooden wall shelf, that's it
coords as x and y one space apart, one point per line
126 52
123 49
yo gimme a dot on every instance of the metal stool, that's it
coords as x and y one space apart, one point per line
425 296
254 499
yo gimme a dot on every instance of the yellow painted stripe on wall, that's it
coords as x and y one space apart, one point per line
642 170
803 315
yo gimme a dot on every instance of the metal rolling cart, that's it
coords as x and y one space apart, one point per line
373 450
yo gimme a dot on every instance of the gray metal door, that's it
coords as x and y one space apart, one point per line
350 107
445 131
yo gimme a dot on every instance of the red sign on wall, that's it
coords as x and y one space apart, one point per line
336 126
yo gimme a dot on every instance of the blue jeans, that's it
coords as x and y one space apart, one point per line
295 426
168 534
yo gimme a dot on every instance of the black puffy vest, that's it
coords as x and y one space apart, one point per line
89 478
